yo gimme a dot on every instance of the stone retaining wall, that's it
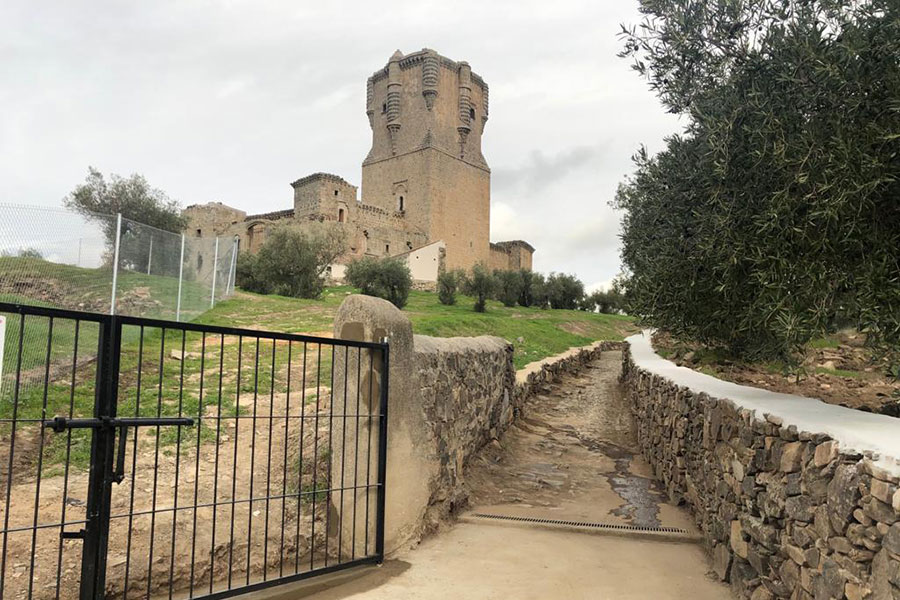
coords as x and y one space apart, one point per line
795 498
447 398
470 394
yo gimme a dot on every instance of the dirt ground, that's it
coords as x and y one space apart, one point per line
268 537
844 373
571 457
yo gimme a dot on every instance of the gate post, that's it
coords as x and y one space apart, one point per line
96 532
409 468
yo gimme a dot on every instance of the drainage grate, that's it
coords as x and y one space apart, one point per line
581 524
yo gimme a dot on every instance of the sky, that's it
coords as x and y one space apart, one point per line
231 100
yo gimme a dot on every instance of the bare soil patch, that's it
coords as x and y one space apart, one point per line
261 510
843 373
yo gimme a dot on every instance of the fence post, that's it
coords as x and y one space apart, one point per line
229 287
115 277
150 254
180 274
212 296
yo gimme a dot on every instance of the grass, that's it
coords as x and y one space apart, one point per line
534 333
187 373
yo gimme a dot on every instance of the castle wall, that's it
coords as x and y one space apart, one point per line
461 210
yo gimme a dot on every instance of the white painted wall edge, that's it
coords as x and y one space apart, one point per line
854 430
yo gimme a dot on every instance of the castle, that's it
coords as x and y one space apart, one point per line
425 183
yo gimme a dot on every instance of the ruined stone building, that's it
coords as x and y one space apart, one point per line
426 187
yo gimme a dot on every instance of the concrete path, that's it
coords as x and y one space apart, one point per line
571 458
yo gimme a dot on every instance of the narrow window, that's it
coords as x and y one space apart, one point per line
340 215
401 203
471 113
198 233
335 192
387 248
384 108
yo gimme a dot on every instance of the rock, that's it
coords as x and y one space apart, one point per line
791 457
721 561
856 591
790 574
880 512
896 502
738 544
800 508
843 494
761 593
840 544
796 554
891 540
825 453
882 569
831 582
883 490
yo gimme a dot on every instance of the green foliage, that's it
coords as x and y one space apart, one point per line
291 262
610 302
386 278
479 284
23 253
507 287
526 291
774 217
135 199
447 283
564 291
540 296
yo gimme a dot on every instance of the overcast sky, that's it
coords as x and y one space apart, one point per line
231 100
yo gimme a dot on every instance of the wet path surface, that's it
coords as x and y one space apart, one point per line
573 456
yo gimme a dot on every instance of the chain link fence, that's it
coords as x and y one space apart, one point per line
105 263
54 257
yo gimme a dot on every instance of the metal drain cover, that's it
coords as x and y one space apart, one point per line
607 526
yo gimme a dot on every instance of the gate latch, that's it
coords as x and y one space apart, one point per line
60 424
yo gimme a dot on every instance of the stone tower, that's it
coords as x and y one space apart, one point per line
427 114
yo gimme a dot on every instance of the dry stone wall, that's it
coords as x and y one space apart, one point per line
470 394
795 498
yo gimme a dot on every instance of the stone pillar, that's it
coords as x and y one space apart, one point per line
410 466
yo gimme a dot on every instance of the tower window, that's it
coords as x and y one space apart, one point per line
340 215
384 108
199 233
471 113
401 203
387 248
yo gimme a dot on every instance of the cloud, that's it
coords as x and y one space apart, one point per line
230 100
540 171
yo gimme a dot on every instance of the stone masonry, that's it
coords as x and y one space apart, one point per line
448 397
424 179
785 513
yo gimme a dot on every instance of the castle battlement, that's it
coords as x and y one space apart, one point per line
424 179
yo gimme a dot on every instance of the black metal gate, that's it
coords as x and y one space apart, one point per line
146 458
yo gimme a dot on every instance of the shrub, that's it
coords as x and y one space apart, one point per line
479 284
447 283
507 287
564 291
386 278
292 261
